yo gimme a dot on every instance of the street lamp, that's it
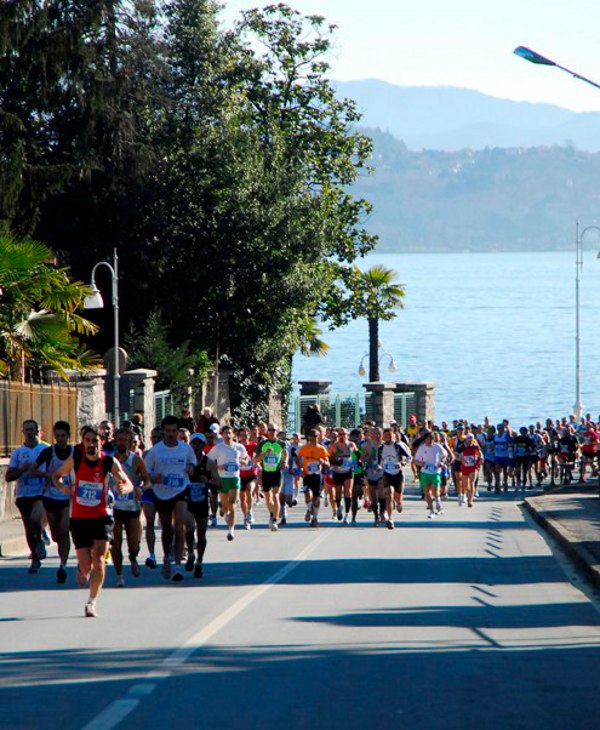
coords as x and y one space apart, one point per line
94 300
533 57
578 406
392 367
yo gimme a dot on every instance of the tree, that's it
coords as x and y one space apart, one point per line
375 296
38 317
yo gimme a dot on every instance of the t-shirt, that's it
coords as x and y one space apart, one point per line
309 458
27 484
431 458
228 459
170 462
391 455
272 455
249 470
590 442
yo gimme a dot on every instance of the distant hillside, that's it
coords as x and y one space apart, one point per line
447 118
493 199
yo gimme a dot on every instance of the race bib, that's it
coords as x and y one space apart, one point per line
314 467
348 462
175 481
197 492
231 468
391 467
469 460
271 460
430 469
89 494
31 486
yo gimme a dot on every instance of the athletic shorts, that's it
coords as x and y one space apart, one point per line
168 505
503 461
148 496
229 483
199 509
25 504
86 532
456 465
589 456
312 482
394 480
55 505
359 479
271 480
430 480
464 470
126 515
245 481
373 483
339 477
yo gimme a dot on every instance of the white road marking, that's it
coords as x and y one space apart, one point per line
118 710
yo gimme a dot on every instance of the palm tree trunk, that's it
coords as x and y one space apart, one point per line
374 349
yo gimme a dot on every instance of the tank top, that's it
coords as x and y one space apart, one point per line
91 487
127 502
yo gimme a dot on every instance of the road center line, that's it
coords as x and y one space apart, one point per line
118 710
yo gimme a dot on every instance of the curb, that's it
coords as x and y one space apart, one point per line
583 560
13 546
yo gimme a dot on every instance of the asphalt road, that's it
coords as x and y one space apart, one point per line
467 621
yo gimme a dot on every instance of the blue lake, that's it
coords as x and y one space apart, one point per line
494 331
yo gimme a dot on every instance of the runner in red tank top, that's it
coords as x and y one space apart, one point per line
91 515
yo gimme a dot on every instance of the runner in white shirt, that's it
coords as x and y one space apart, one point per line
229 457
170 463
431 458
30 489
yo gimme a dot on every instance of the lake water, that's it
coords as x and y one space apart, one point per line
494 331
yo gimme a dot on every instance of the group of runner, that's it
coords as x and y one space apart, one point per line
95 492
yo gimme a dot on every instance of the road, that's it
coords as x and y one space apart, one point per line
467 621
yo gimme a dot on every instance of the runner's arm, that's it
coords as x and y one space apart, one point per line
62 471
123 482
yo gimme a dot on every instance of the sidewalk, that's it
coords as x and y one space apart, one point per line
573 520
12 538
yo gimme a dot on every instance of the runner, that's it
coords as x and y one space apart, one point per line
286 494
313 457
91 521
358 484
392 456
272 456
149 507
30 489
431 458
502 459
211 442
56 504
589 449
127 507
203 476
374 472
229 457
170 463
470 461
343 456
247 478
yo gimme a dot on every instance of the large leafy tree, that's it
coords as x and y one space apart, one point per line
39 322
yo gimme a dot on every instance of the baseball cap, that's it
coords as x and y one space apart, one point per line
215 428
198 436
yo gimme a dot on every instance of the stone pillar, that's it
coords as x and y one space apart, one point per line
219 403
314 387
91 400
425 395
141 382
381 408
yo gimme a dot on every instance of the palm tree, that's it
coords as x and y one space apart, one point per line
379 296
38 317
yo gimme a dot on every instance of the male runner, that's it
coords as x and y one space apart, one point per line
343 455
247 478
229 458
271 454
91 521
392 456
312 457
431 457
127 507
203 476
30 489
56 504
170 463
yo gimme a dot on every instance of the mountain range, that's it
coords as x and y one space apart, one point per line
450 118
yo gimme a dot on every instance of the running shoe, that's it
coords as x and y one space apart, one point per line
198 570
353 523
339 513
308 515
61 575
251 517
345 520
399 507
389 524
46 537
213 521
282 522
314 522
166 570
135 568
177 575
120 581
272 525
189 563
40 550
325 501
247 525
470 504
35 566
150 563
432 515
90 610
375 522
231 536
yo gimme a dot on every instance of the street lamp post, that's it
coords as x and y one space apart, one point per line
94 300
578 406
392 367
534 57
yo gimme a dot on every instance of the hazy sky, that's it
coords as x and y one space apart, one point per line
466 43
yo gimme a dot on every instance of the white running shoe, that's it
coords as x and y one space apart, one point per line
432 515
273 526
120 581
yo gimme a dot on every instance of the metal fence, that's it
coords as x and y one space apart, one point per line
163 405
46 404
342 409
404 405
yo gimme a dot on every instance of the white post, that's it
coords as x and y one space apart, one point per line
117 375
578 405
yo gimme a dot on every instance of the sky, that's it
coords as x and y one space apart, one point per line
465 43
